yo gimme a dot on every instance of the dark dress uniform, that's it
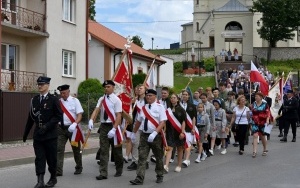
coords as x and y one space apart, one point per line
45 114
172 135
289 110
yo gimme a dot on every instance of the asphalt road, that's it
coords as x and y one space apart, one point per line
280 169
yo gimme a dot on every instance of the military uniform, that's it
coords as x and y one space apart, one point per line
74 107
115 105
157 112
45 112
290 115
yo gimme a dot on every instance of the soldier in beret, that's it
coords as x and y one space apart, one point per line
46 113
72 116
110 107
152 118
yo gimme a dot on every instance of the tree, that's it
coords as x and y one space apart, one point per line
92 11
137 40
280 18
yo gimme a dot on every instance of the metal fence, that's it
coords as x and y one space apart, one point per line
14 109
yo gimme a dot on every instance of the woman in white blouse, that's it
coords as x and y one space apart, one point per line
240 119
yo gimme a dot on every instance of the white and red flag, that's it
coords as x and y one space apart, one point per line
276 93
150 80
255 76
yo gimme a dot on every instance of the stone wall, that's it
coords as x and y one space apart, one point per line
277 54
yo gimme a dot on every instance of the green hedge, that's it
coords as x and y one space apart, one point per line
89 91
209 64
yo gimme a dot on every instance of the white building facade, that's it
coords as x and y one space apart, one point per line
43 38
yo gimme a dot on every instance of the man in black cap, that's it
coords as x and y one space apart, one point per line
290 115
46 113
110 108
72 116
152 118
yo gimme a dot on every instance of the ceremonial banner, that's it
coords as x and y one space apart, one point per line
288 84
275 93
150 79
255 76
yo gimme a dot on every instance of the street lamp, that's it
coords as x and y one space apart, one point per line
152 42
258 23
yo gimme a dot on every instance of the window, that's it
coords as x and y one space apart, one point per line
69 10
9 4
197 2
8 53
211 42
68 63
198 27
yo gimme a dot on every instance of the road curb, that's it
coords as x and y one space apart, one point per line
28 160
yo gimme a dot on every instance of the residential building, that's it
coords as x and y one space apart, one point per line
41 37
105 50
228 24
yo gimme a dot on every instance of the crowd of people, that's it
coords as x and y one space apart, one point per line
170 126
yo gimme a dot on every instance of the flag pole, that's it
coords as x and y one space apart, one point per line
191 79
150 69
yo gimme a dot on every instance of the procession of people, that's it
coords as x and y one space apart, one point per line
167 127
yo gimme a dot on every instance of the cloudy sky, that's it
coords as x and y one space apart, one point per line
160 19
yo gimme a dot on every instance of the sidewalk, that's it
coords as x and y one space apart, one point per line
18 153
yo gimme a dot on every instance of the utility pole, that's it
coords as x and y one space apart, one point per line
152 42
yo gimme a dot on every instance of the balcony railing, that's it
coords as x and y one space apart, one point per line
23 17
15 80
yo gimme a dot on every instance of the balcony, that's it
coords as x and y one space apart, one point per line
22 21
14 80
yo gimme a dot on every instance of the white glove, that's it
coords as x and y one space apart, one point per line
152 136
111 133
133 137
72 127
91 124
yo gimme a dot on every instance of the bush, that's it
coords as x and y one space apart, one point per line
89 91
185 65
138 79
178 67
209 64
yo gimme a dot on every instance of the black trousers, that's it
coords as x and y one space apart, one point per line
287 123
241 135
45 151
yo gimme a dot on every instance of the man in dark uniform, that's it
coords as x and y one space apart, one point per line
72 116
45 112
152 118
290 114
111 108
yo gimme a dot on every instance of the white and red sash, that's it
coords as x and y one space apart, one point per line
189 122
77 135
118 138
177 126
155 123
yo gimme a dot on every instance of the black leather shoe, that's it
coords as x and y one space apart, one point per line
136 182
132 166
98 162
51 182
283 139
100 177
40 183
118 174
280 135
59 174
159 179
294 140
78 171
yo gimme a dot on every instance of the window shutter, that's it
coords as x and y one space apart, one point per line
65 63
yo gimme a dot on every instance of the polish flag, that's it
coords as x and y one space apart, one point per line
255 76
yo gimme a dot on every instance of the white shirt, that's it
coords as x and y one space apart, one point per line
183 105
164 103
73 105
157 112
238 113
114 105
